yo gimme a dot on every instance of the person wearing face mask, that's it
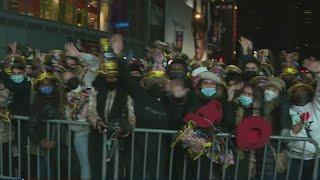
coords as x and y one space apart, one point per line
115 108
151 112
250 70
248 103
289 76
78 107
20 87
177 68
276 107
204 105
47 105
304 113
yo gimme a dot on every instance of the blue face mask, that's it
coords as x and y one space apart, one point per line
269 95
46 89
17 78
245 100
208 92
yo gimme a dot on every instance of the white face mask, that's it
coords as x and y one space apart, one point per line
270 95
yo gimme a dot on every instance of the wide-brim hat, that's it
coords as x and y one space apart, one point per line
260 81
210 76
306 87
276 83
253 133
233 68
207 115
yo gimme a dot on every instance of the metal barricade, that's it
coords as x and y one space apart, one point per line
147 155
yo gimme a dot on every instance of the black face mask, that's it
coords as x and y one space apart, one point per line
155 90
301 99
177 75
112 85
72 84
248 75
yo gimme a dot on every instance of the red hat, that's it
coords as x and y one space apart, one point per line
206 115
253 133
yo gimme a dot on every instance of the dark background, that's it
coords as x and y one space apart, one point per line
280 24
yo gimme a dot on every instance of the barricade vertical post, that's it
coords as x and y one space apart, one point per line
159 155
132 156
265 151
277 152
184 166
223 168
171 161
316 161
19 148
38 163
288 168
1 156
48 152
199 168
10 150
116 160
145 155
104 158
69 152
58 139
28 157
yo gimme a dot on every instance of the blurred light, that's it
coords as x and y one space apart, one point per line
78 9
236 7
234 52
124 57
88 5
92 18
197 16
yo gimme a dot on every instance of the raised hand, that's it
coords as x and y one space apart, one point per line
13 47
312 65
71 50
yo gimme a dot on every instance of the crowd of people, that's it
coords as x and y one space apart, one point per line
169 91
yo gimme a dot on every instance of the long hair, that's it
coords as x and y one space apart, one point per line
55 99
257 106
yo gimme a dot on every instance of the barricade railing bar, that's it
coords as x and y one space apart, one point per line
145 154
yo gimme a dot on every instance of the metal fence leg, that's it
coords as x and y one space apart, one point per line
104 158
69 152
38 164
275 167
48 152
1 156
58 153
9 153
184 166
132 156
116 161
19 148
145 156
264 161
159 155
28 157
171 161
199 169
